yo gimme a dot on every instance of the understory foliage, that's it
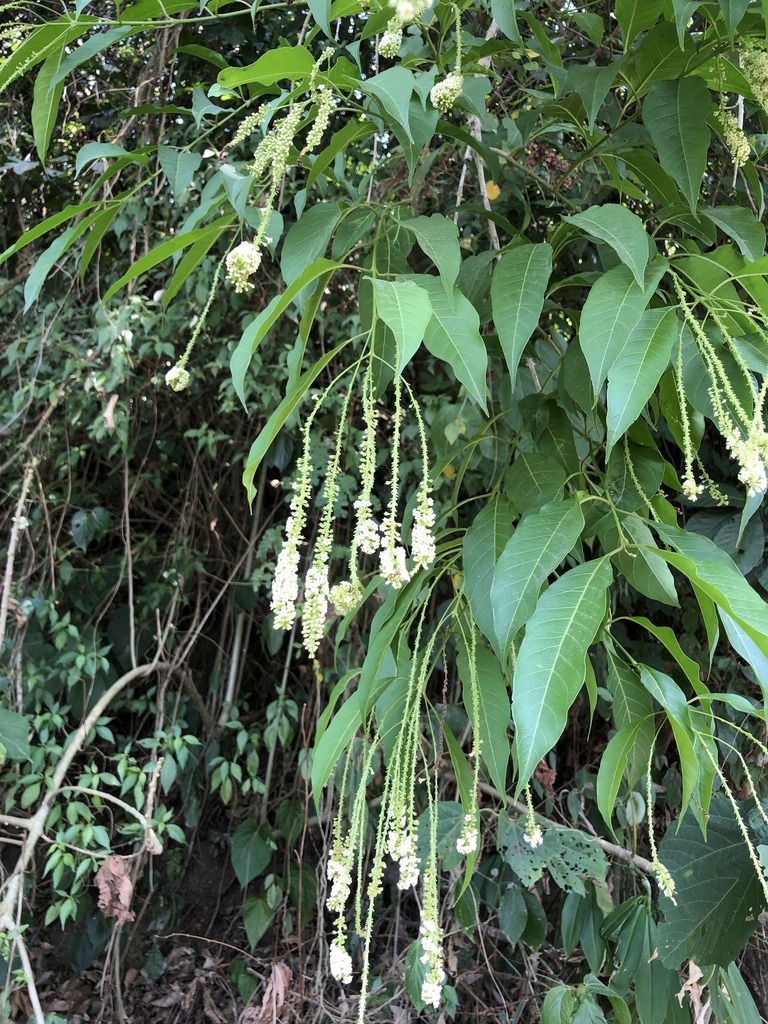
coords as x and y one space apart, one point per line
384 453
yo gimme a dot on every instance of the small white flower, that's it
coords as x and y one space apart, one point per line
431 992
177 378
340 876
285 584
315 605
691 489
406 10
344 596
665 880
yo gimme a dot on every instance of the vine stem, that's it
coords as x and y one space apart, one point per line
13 543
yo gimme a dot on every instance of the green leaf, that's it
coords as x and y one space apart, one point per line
675 114
558 1006
307 241
202 106
733 12
643 567
493 711
537 547
276 421
40 43
257 330
635 16
533 480
638 367
193 258
571 857
614 763
439 239
405 308
672 699
276 65
719 897
613 308
14 732
513 916
179 167
593 84
251 850
98 151
393 89
157 255
50 257
45 103
684 11
715 573
550 667
321 12
453 335
483 543
622 230
742 226
518 288
257 917
503 13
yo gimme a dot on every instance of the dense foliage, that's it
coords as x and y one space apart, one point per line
383 390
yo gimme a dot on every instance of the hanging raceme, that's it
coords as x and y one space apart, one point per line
369 537
741 426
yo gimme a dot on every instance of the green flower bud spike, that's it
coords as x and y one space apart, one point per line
178 377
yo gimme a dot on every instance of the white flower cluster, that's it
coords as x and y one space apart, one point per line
533 835
444 94
243 262
285 585
467 841
431 938
366 529
734 138
390 43
177 378
316 592
407 11
750 455
344 596
341 962
422 535
392 562
339 872
401 845
665 880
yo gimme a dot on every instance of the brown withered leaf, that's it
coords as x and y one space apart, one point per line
274 996
115 890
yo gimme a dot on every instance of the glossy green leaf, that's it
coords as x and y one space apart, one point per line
98 151
439 239
631 703
503 14
393 89
257 330
712 571
453 335
675 114
493 711
159 254
38 44
45 104
483 543
638 367
672 699
179 167
257 917
733 13
635 16
643 567
518 288
593 83
719 897
742 226
533 480
622 230
307 241
536 549
276 65
405 308
550 666
612 311
614 761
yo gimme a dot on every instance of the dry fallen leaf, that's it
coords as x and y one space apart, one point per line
274 996
115 890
